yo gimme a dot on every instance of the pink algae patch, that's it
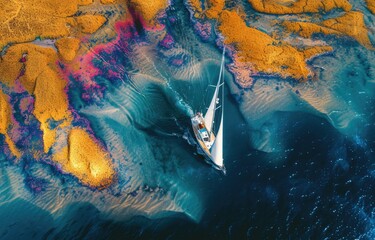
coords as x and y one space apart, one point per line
27 105
203 30
167 42
177 62
84 70
108 60
243 73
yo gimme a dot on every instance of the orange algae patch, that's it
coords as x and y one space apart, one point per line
85 2
149 9
213 8
27 20
350 24
371 6
316 50
38 59
10 65
195 5
216 7
8 10
90 23
40 79
5 121
67 48
50 98
51 103
298 6
307 29
262 51
86 159
24 20
108 1
32 68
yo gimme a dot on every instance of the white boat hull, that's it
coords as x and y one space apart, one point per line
203 145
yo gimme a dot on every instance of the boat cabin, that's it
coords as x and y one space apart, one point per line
198 121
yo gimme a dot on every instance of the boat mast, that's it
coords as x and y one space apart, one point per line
210 114
222 98
217 148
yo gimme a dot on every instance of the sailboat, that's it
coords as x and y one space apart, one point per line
203 126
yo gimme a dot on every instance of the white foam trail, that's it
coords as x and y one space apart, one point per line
124 141
179 101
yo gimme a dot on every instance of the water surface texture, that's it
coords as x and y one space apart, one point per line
298 145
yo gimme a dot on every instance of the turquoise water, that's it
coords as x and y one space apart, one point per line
315 174
299 157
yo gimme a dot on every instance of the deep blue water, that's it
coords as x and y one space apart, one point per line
320 187
323 189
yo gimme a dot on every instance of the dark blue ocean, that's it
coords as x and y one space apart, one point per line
323 189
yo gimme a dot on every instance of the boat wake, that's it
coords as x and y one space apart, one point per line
178 101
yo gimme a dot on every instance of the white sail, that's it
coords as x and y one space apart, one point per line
210 114
217 147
